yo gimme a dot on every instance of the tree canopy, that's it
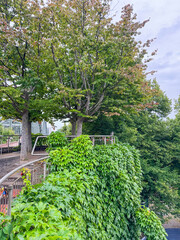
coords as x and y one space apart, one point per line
21 64
157 139
96 61
61 59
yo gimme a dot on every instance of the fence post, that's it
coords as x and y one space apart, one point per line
8 143
10 195
93 141
44 170
1 143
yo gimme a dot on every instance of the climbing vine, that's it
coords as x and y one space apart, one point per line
92 193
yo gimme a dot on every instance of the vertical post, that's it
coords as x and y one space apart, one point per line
10 191
112 137
105 140
19 141
44 176
1 143
93 141
32 176
8 143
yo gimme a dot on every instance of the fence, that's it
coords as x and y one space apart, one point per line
12 183
9 143
96 139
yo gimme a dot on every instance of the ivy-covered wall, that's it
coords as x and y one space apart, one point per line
92 193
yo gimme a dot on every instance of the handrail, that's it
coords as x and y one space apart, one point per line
104 138
12 190
20 167
10 135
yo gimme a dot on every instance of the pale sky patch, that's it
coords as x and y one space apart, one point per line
164 25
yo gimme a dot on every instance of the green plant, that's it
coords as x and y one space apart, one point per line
40 221
26 176
41 141
150 224
93 194
55 140
5 227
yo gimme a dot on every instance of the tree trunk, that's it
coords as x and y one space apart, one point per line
24 139
79 126
29 138
73 123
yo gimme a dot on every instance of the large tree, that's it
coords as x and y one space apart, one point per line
96 60
21 64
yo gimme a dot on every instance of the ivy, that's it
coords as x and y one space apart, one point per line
92 193
55 140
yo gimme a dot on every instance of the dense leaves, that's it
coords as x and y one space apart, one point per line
94 193
158 141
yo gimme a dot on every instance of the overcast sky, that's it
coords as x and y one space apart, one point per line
164 25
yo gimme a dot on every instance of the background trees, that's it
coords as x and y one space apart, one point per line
21 64
158 142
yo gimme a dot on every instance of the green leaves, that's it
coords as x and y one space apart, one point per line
55 140
94 193
150 224
5 227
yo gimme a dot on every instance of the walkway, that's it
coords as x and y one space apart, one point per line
16 161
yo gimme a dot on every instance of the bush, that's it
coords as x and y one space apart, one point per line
93 194
56 140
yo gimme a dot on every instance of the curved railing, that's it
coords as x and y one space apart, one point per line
96 139
12 183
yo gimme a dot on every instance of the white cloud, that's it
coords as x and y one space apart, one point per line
164 24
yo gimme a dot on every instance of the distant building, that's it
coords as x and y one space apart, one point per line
36 127
40 127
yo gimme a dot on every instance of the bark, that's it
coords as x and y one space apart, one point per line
79 126
25 134
73 123
29 138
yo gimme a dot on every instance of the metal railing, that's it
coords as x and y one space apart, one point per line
9 143
12 183
96 139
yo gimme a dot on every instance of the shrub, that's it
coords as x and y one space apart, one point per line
56 140
93 194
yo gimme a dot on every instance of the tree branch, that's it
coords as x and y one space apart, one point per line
8 67
55 61
13 103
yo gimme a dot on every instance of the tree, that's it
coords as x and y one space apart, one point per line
96 61
158 142
21 64
67 129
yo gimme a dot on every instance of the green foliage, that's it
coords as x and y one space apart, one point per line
6 131
66 129
26 176
5 227
37 221
55 140
150 224
95 194
41 141
158 142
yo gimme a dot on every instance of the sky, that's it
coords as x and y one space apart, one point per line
164 25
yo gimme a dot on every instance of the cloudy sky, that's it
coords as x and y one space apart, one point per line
164 25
